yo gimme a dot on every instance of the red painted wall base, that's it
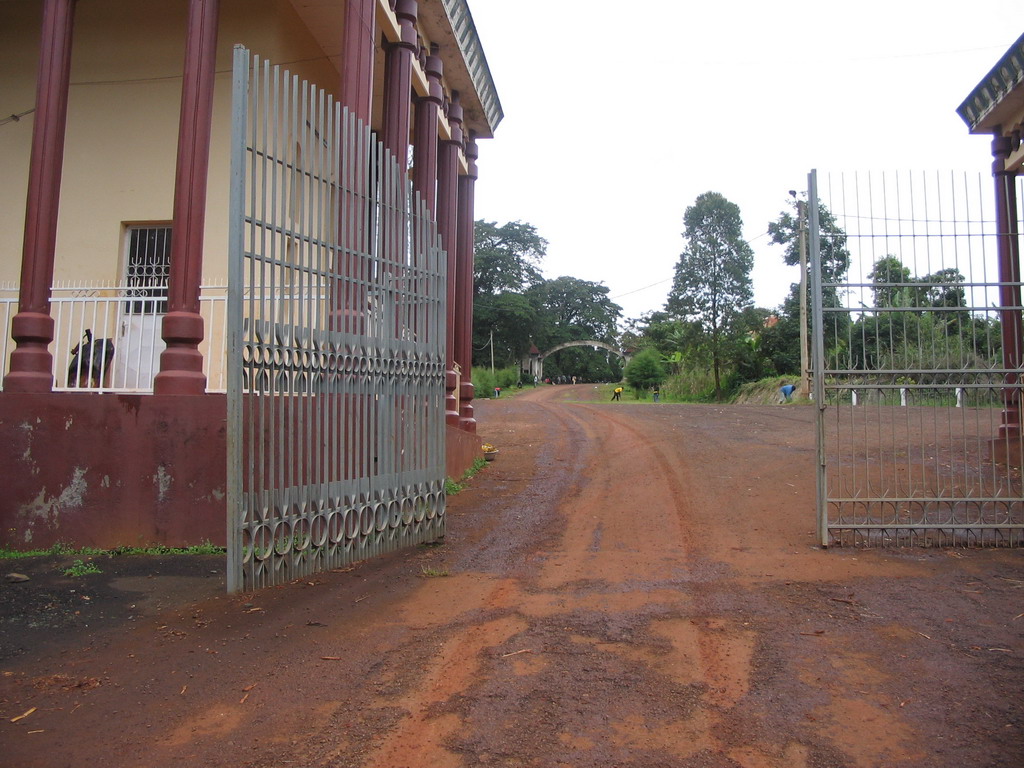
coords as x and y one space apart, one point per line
112 470
125 470
463 448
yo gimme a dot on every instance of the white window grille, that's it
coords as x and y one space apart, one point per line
147 268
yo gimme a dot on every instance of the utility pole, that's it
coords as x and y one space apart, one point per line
805 365
492 353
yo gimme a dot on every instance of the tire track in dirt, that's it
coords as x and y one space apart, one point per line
629 586
707 652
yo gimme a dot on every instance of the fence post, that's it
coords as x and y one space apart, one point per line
818 353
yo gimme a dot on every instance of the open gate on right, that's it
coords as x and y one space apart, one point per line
916 355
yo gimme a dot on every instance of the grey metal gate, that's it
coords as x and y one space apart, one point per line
916 440
336 339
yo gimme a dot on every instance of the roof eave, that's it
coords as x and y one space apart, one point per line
472 50
995 94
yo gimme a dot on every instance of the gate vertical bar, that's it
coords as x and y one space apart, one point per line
340 448
233 322
818 353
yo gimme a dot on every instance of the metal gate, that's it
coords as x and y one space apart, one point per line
917 443
336 339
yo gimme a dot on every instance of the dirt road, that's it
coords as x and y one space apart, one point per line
627 585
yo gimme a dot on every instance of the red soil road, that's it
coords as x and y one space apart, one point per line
629 584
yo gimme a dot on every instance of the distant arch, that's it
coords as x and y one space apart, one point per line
534 363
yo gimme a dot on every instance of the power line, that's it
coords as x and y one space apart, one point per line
16 117
669 279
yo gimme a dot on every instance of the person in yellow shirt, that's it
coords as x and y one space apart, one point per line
617 393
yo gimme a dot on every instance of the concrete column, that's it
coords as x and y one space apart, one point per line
32 327
357 58
447 227
1009 295
348 296
181 364
398 84
464 287
424 163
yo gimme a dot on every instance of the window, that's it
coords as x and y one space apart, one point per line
147 269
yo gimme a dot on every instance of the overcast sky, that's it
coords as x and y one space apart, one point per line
619 113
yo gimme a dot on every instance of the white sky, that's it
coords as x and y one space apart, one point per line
619 113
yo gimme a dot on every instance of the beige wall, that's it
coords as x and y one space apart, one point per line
123 122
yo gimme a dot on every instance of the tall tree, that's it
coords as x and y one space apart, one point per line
835 256
784 339
891 283
712 282
573 309
509 321
506 257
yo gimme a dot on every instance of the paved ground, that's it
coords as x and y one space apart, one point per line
629 585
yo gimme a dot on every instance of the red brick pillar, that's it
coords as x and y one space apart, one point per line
424 153
464 288
447 227
348 290
1009 295
32 327
181 364
357 58
398 83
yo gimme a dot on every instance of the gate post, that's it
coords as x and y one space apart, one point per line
818 354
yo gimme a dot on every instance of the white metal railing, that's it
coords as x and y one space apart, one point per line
123 354
8 306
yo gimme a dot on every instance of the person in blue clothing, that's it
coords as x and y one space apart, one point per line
787 393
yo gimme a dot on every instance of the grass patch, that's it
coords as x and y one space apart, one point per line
57 549
64 549
78 568
452 487
429 572
766 392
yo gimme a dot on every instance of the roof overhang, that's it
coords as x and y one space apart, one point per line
448 23
996 105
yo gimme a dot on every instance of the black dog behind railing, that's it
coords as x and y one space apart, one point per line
90 361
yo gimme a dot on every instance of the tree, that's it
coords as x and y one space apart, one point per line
572 309
783 343
506 257
890 283
505 265
835 256
645 370
513 320
712 280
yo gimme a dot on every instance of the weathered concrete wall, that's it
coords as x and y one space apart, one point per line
112 470
125 470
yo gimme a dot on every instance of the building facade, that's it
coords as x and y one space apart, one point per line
115 216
